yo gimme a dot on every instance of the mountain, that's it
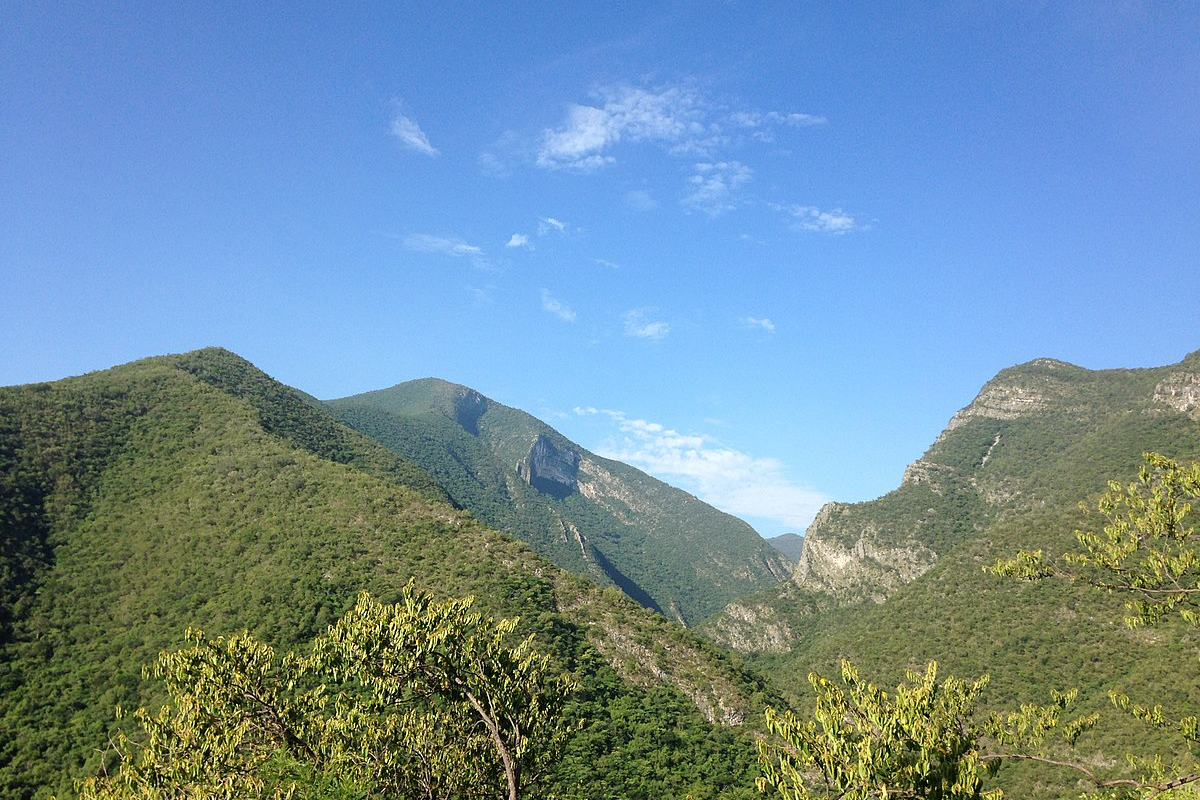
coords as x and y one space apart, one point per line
898 581
790 544
194 490
589 515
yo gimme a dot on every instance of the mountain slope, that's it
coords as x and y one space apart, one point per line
193 490
898 581
590 515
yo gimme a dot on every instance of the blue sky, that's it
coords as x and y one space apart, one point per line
763 251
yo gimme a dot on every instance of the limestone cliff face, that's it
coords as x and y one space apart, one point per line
868 550
869 563
549 469
751 626
1180 391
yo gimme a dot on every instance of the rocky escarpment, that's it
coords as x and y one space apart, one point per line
550 470
753 626
843 554
1180 391
868 550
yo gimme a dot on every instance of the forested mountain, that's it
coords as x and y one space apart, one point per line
590 515
790 544
897 581
194 490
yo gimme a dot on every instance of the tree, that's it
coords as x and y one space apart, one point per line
864 743
1149 552
420 699
927 741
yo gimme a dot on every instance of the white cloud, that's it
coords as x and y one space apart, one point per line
811 218
411 136
729 479
556 307
670 115
447 246
640 326
759 119
547 224
518 240
712 187
606 263
640 200
680 119
764 323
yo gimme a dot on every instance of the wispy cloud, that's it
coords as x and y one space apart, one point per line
556 307
442 245
761 125
639 325
549 224
624 113
764 323
681 119
411 136
519 240
448 246
712 188
606 263
729 479
640 200
480 295
810 218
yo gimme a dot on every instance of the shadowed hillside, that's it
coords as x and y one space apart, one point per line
590 515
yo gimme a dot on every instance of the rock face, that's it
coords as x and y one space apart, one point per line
868 562
753 627
1180 391
550 470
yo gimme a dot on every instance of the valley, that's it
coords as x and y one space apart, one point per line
195 490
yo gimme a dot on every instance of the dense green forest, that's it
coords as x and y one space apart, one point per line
996 482
188 491
195 491
597 517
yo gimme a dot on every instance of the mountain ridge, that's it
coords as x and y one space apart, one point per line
590 515
143 499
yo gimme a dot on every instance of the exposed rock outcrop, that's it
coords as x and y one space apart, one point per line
550 470
1180 391
835 564
751 627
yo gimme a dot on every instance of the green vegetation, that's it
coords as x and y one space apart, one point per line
598 518
419 699
863 743
929 741
1075 429
143 500
1148 553
193 490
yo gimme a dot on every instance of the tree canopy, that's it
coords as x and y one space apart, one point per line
927 740
418 699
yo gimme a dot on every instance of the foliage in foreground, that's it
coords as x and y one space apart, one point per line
864 743
421 699
927 741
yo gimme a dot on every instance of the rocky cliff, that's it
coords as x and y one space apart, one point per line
1041 434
